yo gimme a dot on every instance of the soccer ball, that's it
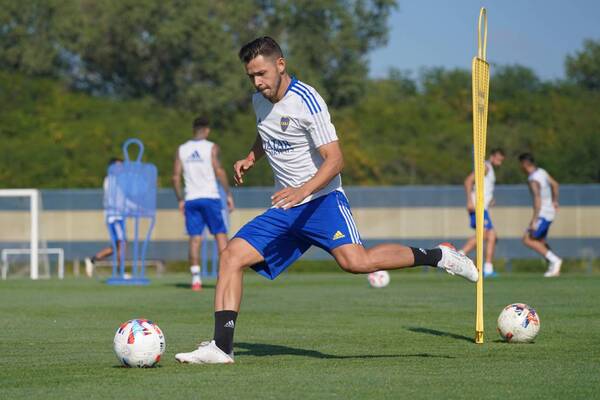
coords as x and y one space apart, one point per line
518 323
379 279
139 343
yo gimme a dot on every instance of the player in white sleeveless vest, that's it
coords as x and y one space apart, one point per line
198 161
309 207
495 159
544 190
116 229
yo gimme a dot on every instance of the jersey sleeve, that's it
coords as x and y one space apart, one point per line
537 176
316 118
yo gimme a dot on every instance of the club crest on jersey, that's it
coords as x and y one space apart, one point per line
284 122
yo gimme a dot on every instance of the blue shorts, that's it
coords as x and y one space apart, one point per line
541 230
487 221
202 212
282 236
117 230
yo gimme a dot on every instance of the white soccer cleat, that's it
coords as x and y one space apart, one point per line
206 353
553 269
89 267
457 264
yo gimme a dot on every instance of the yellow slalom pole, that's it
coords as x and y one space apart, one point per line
481 86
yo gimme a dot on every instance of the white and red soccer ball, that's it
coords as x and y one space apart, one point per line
379 279
518 323
139 343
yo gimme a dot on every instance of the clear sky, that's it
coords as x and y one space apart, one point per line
535 33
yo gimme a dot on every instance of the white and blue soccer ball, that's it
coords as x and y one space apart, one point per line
139 343
518 323
379 279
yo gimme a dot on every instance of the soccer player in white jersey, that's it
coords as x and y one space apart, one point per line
198 161
544 190
116 229
495 159
309 206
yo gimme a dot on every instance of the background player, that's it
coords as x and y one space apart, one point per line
116 229
309 207
198 161
544 190
495 159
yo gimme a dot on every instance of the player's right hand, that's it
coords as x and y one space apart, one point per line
239 170
470 207
182 206
533 225
230 203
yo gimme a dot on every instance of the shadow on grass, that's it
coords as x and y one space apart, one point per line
189 287
435 332
512 343
264 350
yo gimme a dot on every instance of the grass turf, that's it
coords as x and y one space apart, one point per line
305 336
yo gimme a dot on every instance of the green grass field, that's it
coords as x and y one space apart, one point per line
306 335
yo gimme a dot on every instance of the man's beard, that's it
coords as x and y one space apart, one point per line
275 90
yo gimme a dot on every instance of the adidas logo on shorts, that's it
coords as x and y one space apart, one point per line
338 235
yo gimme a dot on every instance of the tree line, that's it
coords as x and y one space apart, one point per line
79 77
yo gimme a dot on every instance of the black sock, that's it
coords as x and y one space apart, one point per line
224 327
429 257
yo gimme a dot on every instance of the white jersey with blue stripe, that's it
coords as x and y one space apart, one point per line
291 131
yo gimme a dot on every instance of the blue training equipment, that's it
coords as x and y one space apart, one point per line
131 194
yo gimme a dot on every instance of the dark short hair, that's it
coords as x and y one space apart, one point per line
200 122
527 157
497 150
263 46
114 160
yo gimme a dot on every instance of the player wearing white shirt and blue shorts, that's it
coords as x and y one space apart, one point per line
544 190
309 207
495 159
116 230
198 161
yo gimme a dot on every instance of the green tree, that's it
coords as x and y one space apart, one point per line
328 42
450 86
184 52
509 81
584 67
32 36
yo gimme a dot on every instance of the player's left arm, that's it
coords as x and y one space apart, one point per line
221 176
333 163
554 185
